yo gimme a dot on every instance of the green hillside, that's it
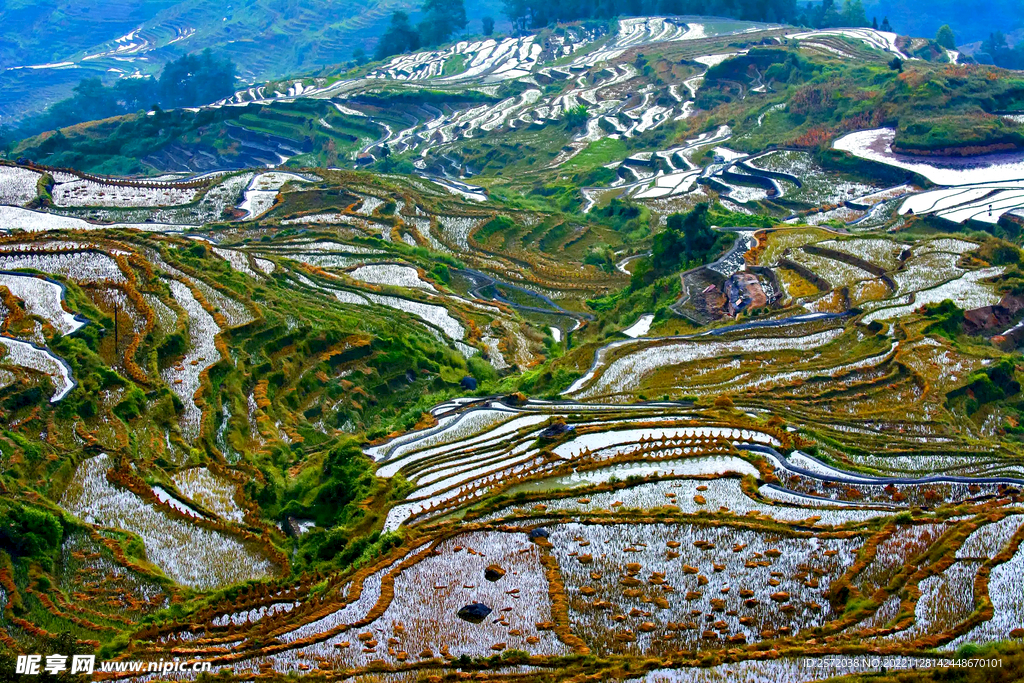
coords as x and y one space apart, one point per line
266 38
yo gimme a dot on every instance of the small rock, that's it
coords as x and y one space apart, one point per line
474 613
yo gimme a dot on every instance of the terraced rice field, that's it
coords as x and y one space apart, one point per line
91 193
506 402
724 515
876 145
23 354
213 492
42 299
18 186
678 555
214 558
184 376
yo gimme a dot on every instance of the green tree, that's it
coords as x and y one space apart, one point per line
994 43
133 94
29 532
399 37
93 100
853 14
519 13
441 19
344 479
687 239
997 47
643 274
947 319
577 116
826 15
945 37
196 79
526 14
487 24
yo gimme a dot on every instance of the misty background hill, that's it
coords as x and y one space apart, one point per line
266 39
971 20
46 49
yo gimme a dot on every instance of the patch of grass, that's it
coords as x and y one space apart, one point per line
598 153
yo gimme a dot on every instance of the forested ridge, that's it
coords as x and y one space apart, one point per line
192 80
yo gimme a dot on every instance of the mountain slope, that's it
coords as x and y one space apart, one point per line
110 38
913 18
712 371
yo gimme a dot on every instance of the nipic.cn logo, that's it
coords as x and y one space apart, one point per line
34 665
